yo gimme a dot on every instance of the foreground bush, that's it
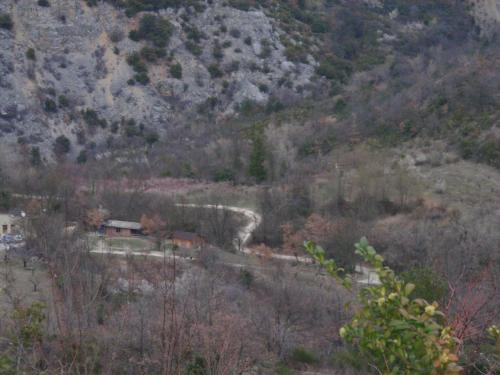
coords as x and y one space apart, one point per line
395 333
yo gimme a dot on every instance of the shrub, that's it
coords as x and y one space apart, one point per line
6 22
151 138
134 60
142 78
266 49
35 157
428 285
235 33
302 355
248 41
44 3
152 54
215 71
335 69
257 168
116 35
224 175
131 129
296 53
241 4
133 7
176 71
50 106
82 157
395 332
194 34
62 145
155 29
218 53
194 48
30 54
320 27
92 119
63 101
274 105
246 278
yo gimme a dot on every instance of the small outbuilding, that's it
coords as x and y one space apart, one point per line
9 222
118 228
6 224
187 240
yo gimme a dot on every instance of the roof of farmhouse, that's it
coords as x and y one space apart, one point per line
123 224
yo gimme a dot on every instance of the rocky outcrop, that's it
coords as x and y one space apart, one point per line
80 63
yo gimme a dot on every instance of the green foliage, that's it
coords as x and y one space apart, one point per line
29 321
7 365
176 70
235 33
257 167
217 52
50 106
30 54
244 5
247 107
135 61
215 71
139 67
133 7
142 78
194 48
153 28
246 278
63 101
487 151
82 157
428 284
62 145
5 200
274 105
282 369
35 157
131 129
92 119
396 333
151 138
334 68
196 367
6 21
319 26
302 355
152 54
224 175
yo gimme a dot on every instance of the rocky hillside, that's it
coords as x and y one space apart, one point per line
83 77
71 69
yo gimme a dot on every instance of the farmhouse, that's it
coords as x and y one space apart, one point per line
7 224
117 228
187 240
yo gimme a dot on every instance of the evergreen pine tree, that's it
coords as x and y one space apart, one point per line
257 168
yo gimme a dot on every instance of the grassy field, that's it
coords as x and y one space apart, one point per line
133 244
18 284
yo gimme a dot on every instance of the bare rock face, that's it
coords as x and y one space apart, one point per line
79 62
487 15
